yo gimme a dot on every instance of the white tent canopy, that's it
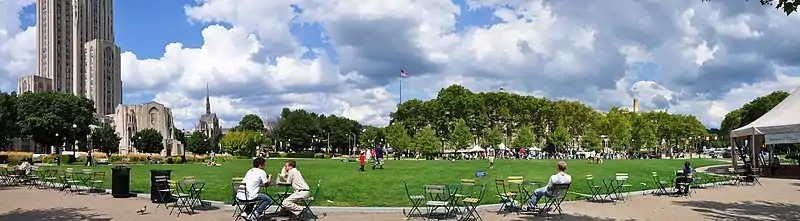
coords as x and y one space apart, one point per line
476 148
502 146
783 118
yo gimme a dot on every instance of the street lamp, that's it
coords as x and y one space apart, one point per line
91 147
58 151
74 140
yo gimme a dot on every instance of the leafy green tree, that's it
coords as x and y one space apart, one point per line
525 138
198 143
787 6
493 138
241 143
50 113
559 138
148 141
105 139
644 135
250 122
461 137
426 142
592 141
397 137
8 119
179 136
369 137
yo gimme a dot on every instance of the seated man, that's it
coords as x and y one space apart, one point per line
253 180
685 177
559 178
292 176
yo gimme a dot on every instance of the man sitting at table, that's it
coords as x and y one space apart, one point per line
685 178
292 176
559 178
253 180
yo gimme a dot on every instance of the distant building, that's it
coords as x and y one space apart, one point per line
34 84
209 122
130 119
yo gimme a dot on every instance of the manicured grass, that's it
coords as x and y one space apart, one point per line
343 185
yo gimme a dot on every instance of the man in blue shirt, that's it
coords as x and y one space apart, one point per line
378 156
686 179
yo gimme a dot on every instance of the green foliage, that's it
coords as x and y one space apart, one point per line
369 137
787 6
179 136
241 143
559 137
525 138
50 113
8 119
198 143
105 139
296 128
148 141
751 111
592 141
461 137
426 142
250 122
493 138
397 138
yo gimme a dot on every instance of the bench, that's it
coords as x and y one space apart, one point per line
102 161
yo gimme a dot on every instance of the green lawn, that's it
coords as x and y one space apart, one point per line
343 185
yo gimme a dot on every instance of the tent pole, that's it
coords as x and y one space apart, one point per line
752 151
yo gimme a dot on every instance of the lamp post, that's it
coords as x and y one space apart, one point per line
74 140
91 147
58 151
353 144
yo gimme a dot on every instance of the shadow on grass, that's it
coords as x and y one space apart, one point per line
745 211
54 214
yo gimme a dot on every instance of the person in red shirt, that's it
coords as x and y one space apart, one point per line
361 160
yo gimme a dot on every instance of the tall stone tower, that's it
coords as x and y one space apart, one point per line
635 105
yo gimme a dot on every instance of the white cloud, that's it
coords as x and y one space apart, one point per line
710 57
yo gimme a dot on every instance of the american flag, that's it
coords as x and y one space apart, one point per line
403 73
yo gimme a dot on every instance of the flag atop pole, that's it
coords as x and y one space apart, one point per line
402 74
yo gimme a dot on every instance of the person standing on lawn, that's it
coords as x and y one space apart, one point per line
362 158
292 176
378 156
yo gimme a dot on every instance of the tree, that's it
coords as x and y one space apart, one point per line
426 142
8 119
591 140
787 6
179 136
525 138
49 114
250 122
644 135
198 143
105 139
369 137
559 138
493 138
397 137
148 141
241 143
461 137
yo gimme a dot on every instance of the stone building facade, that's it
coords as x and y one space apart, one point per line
129 119
102 79
34 84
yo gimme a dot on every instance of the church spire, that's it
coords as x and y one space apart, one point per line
208 100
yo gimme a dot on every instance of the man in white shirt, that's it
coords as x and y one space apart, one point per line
559 178
292 176
253 180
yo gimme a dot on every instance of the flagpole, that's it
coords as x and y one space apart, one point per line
401 89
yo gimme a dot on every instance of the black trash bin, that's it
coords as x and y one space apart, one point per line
155 195
121 182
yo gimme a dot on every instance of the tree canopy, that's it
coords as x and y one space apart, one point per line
8 119
49 114
198 143
148 141
250 122
787 6
105 139
242 143
296 130
750 111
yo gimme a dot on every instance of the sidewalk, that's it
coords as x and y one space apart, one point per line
776 200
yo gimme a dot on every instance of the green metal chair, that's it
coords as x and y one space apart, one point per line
471 205
594 189
416 201
309 201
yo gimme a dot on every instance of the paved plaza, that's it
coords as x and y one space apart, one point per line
777 199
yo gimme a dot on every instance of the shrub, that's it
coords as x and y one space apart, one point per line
67 159
301 155
176 159
794 156
319 156
389 156
283 154
170 160
13 157
274 154
115 158
99 155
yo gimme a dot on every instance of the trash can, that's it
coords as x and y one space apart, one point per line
121 182
155 185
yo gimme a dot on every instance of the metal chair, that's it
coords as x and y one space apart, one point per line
471 205
416 201
309 201
436 199
594 189
553 202
244 205
506 197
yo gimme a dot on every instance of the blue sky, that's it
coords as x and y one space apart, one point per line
544 48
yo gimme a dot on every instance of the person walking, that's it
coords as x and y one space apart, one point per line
378 156
362 158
